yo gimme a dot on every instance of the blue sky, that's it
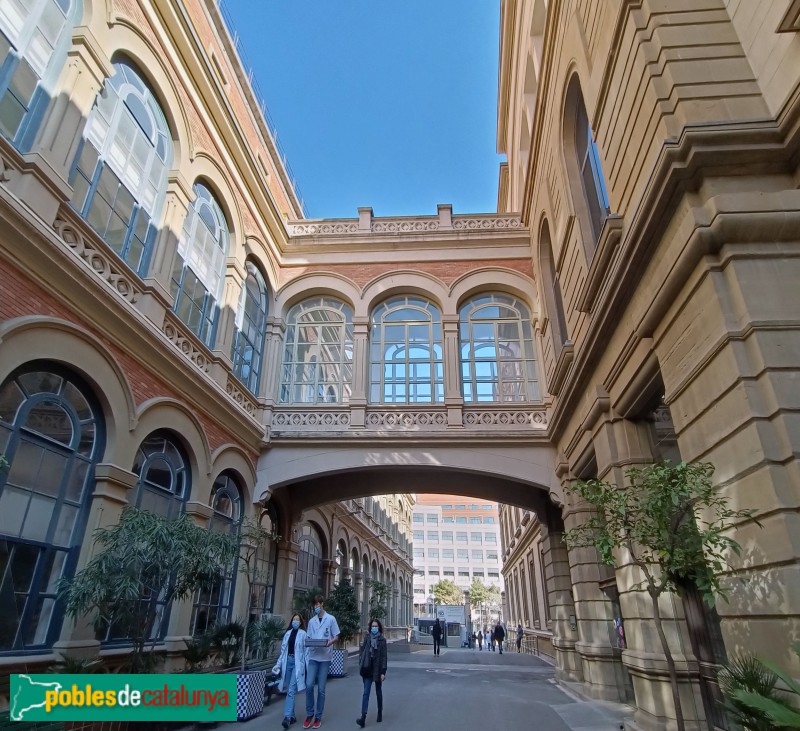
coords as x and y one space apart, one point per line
378 102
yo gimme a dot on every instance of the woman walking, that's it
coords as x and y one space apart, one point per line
372 667
292 667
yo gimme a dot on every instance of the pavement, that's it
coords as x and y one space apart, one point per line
459 689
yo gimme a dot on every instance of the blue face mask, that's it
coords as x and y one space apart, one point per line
317 610
295 624
374 630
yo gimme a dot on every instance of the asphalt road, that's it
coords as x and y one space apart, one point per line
459 689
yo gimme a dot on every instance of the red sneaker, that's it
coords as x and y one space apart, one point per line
317 723
307 722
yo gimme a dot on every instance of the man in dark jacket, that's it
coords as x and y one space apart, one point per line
436 633
499 635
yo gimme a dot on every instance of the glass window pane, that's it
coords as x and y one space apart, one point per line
11 114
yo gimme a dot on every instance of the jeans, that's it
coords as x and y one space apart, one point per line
317 673
378 695
291 688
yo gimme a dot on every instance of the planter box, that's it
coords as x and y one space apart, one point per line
338 666
250 693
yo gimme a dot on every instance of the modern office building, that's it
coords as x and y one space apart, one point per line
175 334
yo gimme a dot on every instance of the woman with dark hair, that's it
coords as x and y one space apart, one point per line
292 666
372 667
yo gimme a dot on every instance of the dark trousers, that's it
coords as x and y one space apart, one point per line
519 643
437 644
378 695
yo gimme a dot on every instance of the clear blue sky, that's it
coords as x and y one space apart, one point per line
383 103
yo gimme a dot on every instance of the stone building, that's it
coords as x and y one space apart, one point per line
174 333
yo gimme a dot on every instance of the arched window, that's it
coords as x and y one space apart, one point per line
262 594
552 291
52 434
198 273
34 38
120 174
498 361
587 158
213 606
251 330
406 352
318 357
164 475
309 559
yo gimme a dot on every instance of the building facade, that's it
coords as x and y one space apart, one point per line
455 538
175 335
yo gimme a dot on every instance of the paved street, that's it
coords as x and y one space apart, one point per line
460 689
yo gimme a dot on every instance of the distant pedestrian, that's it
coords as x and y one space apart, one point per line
499 635
436 633
487 637
291 665
480 640
520 633
372 668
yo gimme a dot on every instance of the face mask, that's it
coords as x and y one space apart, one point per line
295 624
374 630
317 610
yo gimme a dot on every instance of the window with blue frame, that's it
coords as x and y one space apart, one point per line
406 362
198 273
52 433
213 606
162 487
120 173
498 358
34 39
251 330
262 591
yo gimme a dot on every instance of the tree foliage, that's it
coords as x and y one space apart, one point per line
379 599
672 524
145 559
343 605
446 592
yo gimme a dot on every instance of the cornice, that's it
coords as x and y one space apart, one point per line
790 23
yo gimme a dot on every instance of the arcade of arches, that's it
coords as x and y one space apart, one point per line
176 335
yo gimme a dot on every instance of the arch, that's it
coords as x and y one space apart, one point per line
232 458
314 284
255 249
207 170
45 338
404 281
551 289
494 279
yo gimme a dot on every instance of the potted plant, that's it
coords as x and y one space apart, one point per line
343 605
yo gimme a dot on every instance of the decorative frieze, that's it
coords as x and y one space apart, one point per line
241 396
499 419
104 264
406 420
322 420
184 342
343 227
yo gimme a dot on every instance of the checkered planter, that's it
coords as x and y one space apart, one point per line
338 666
250 694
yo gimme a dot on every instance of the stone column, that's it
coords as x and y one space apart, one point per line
284 578
453 397
273 359
359 398
235 275
328 575
358 584
110 497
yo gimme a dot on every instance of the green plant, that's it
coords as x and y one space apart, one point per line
379 599
749 687
78 666
446 592
672 524
264 633
197 652
226 643
145 561
343 605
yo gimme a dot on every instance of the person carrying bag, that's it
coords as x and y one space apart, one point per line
372 668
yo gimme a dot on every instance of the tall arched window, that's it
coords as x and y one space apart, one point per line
406 352
251 329
309 559
318 356
164 475
587 158
52 433
34 38
120 174
198 273
552 291
498 361
212 606
262 593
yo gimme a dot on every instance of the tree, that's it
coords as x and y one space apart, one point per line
343 605
446 592
378 600
671 523
303 601
146 560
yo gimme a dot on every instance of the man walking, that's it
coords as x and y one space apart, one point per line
498 636
322 628
436 633
520 633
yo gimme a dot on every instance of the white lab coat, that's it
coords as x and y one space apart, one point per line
300 660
